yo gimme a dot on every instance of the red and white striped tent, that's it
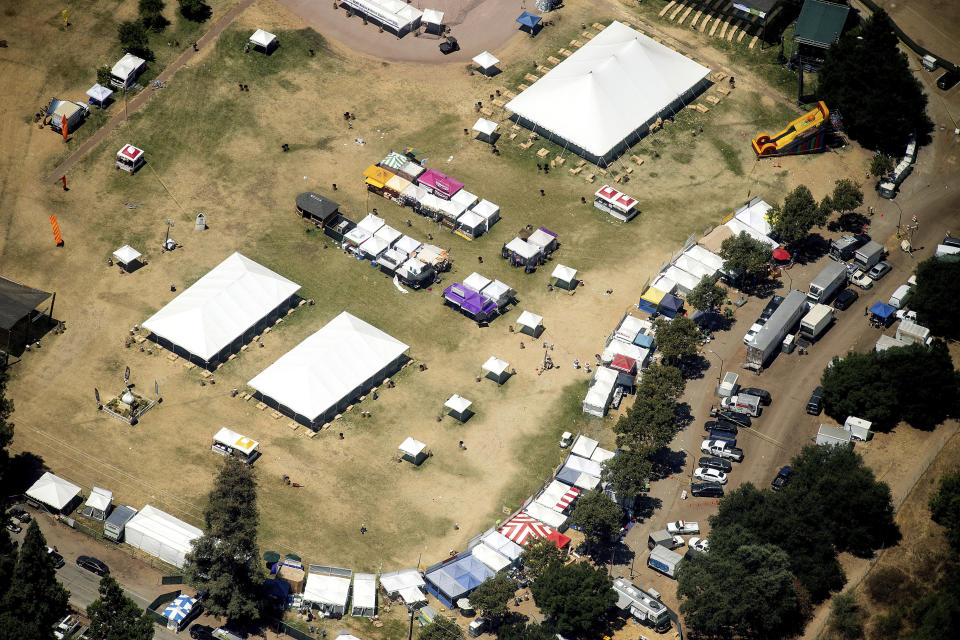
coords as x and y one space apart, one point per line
523 528
558 496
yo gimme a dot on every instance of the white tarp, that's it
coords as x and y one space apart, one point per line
485 60
408 245
490 557
394 581
736 226
754 214
530 320
546 515
234 440
484 126
371 223
334 362
126 254
262 38
217 309
584 446
476 282
665 284
330 592
564 274
457 403
601 389
609 88
693 266
53 491
364 594
161 535
705 256
686 281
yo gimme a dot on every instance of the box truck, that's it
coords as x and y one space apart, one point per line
830 279
833 435
868 255
859 428
664 538
843 247
768 339
816 321
74 113
664 560
910 332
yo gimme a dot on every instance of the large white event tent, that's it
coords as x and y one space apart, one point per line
329 370
603 98
364 595
328 593
396 15
161 535
53 491
406 583
221 311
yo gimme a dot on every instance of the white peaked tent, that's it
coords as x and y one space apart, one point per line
476 282
161 535
264 39
395 14
327 592
126 255
459 407
546 515
407 583
53 491
486 61
566 276
413 450
490 557
496 369
330 369
502 544
432 16
584 446
601 99
364 595
98 502
221 310
485 129
530 323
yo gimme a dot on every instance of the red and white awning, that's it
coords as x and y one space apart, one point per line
130 152
523 528
568 497
558 496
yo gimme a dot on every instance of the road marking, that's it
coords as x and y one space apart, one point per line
764 437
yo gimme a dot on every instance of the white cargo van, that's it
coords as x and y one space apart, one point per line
899 297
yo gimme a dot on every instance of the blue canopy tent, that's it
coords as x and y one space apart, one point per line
881 312
529 21
644 341
670 305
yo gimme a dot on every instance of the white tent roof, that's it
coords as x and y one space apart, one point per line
457 403
530 320
100 498
236 441
127 254
485 59
495 365
541 238
484 126
685 280
502 544
262 38
412 447
216 309
736 225
161 535
476 282
99 93
584 446
364 590
755 215
321 370
401 579
464 198
450 208
388 234
497 290
357 236
624 348
126 65
705 256
693 266
523 248
630 328
470 219
601 455
608 88
371 223
53 491
546 515
565 274
432 16
374 246
665 284
394 13
329 590
490 557
486 210
583 465
407 244
412 595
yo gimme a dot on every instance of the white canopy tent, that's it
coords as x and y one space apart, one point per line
220 310
471 223
546 515
371 223
488 211
234 440
485 128
464 198
395 14
694 267
476 282
530 323
486 61
364 595
755 214
558 496
705 256
413 450
631 327
600 391
98 503
263 39
126 255
459 406
432 16
545 241
496 369
330 369
99 93
601 455
388 234
736 225
686 281
665 284
328 593
395 582
566 276
490 557
161 535
624 348
523 249
53 491
499 292
408 245
374 246
584 446
502 544
602 98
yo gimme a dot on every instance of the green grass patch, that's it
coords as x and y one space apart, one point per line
730 156
682 157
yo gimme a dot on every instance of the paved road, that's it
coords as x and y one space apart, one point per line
121 115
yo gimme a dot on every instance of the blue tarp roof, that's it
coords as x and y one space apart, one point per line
275 588
643 340
460 576
180 608
671 302
882 309
527 19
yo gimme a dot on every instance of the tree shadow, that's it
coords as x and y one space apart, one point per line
667 462
645 505
811 249
851 222
693 367
683 415
25 469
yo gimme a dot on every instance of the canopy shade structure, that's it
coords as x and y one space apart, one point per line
529 20
476 282
781 254
738 226
161 535
234 440
264 39
584 446
502 544
653 295
546 515
558 539
432 16
543 239
222 309
566 276
485 128
624 363
694 267
558 496
373 247
376 176
599 394
496 369
413 450
330 369
53 491
99 93
882 310
459 407
394 581
485 60
126 254
356 236
371 223
530 323
602 99
314 205
458 578
756 214
364 595
492 558
408 245
180 609
397 15
523 528
820 23
439 184
394 161
685 282
471 303
488 211
388 234
17 301
523 249
98 504
328 593
470 223
499 292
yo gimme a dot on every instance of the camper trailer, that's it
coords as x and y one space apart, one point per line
125 72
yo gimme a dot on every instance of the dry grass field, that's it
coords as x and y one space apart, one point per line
215 149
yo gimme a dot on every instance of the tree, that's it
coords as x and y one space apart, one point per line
114 616
707 295
6 437
868 79
799 213
103 76
746 253
880 165
35 601
598 517
676 338
846 196
442 628
539 556
857 386
195 10
846 617
662 380
225 560
574 596
520 631
945 507
492 596
151 14
133 39
748 592
936 298
649 424
628 472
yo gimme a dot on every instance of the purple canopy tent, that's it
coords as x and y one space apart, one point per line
478 307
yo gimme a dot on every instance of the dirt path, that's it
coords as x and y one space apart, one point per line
144 95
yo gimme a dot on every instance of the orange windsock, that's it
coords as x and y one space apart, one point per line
63 127
56 230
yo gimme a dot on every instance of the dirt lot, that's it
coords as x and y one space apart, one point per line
933 24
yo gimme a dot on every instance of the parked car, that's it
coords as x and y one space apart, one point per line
706 490
903 314
67 627
13 527
710 475
845 299
754 330
740 419
948 80
768 310
19 514
815 403
683 526
721 426
765 397
712 462
92 564
57 558
879 270
781 480
861 279
201 632
699 544
566 439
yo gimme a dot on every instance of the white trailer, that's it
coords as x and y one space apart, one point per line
126 71
858 428
768 340
868 255
831 278
642 605
816 321
664 560
833 435
910 332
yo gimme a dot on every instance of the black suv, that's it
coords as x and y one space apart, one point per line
845 298
815 404
948 80
706 489
783 477
721 426
765 397
710 462
739 419
768 310
201 632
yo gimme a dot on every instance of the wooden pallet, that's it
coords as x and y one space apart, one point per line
530 77
753 42
685 14
719 76
553 61
542 69
543 152
666 8
566 53
598 26
590 178
723 90
512 135
713 99
526 145
558 161
523 87
499 103
574 172
637 159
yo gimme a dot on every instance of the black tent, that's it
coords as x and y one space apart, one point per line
316 207
18 304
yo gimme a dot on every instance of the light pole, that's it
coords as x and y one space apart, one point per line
899 217
720 372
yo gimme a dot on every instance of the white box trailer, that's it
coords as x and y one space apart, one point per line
910 332
868 255
642 605
859 428
768 340
126 70
664 560
833 435
816 321
830 279
116 521
729 385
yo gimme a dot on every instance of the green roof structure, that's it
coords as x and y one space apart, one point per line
820 23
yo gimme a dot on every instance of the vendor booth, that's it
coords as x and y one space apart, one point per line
264 41
130 158
531 324
496 369
486 63
566 277
411 170
470 225
488 211
473 305
98 504
388 234
99 95
327 592
413 451
521 253
354 238
128 258
394 188
600 392
459 407
55 492
435 256
313 206
371 223
376 178
545 240
230 443
406 583
433 21
617 204
181 612
364 595
408 245
476 282
416 273
439 184
500 293
529 22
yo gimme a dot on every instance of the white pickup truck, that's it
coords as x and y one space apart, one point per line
683 527
722 450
